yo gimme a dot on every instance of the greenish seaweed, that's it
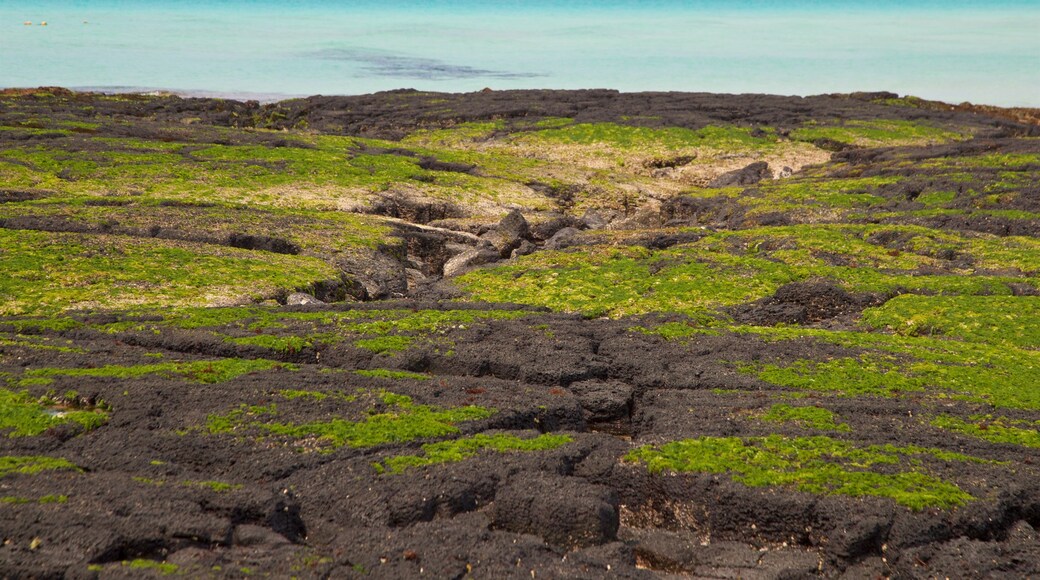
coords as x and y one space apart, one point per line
809 417
30 465
393 374
993 429
23 416
204 371
400 421
819 465
466 447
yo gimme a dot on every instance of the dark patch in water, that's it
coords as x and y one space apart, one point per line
395 65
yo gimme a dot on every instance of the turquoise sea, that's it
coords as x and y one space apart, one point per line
983 52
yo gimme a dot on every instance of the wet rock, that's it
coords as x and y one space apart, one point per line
595 219
251 535
546 229
301 299
804 302
515 225
603 401
566 512
860 538
647 216
378 274
523 249
468 259
664 550
508 234
415 278
749 175
562 239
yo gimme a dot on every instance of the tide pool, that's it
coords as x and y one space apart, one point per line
952 51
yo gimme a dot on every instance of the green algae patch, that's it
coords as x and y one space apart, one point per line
50 272
30 465
385 344
43 500
38 343
848 376
819 465
998 320
995 429
682 330
466 447
24 416
878 132
399 420
393 375
287 344
730 268
216 486
633 137
205 371
808 417
993 374
163 568
289 332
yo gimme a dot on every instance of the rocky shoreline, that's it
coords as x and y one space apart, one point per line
563 334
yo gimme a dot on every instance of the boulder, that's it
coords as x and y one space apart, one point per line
301 299
508 234
468 259
524 249
562 239
749 175
514 225
377 274
603 401
595 219
567 512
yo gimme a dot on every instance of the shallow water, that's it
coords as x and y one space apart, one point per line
954 51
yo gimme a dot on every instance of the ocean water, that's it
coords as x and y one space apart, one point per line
983 52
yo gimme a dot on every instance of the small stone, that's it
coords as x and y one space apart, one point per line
301 299
468 259
524 249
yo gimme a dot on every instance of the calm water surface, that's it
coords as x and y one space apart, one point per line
955 51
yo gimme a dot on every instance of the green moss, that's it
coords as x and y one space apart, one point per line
217 486
24 416
50 272
729 268
877 132
293 394
30 465
164 568
808 417
466 447
401 420
284 344
37 343
44 500
827 193
993 429
999 320
393 375
384 344
205 371
819 465
678 330
848 376
980 372
936 198
634 137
